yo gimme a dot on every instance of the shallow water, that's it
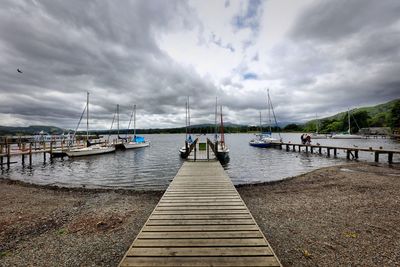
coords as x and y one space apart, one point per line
152 168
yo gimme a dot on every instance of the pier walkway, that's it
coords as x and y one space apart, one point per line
201 220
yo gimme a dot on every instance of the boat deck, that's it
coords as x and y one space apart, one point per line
201 220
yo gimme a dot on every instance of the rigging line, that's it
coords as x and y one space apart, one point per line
273 113
129 125
112 123
79 122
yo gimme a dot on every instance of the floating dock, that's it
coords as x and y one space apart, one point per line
201 220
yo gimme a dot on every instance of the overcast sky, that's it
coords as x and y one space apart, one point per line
315 57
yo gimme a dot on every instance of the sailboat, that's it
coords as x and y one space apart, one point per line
89 149
188 137
347 135
222 149
265 139
317 135
136 141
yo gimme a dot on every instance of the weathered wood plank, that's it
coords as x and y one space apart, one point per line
197 242
200 222
202 234
203 261
199 228
201 251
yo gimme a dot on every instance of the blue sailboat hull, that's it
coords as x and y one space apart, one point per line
265 145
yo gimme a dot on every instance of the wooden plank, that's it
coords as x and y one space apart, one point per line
200 204
197 228
178 212
200 251
240 207
197 242
199 216
200 222
203 261
202 234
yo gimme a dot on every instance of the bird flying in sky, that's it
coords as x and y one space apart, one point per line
20 71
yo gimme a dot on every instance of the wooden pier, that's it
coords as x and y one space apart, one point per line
351 152
201 220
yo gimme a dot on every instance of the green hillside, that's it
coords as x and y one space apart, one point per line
382 115
7 130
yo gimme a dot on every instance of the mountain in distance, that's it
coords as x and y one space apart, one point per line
30 130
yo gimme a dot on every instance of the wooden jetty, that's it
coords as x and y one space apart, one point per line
351 152
201 220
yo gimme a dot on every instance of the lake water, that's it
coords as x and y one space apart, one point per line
152 168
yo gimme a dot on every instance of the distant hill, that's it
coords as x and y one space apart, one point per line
374 116
8 130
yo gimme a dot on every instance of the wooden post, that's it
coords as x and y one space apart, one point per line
312 149
348 154
8 155
208 151
1 157
376 156
23 159
287 147
328 152
30 153
356 154
51 149
334 152
195 150
390 157
306 149
320 150
294 148
280 146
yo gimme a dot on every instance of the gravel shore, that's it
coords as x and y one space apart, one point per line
343 215
337 216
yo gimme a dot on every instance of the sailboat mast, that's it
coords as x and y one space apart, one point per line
216 118
118 120
222 130
130 120
261 130
134 123
186 120
269 111
87 116
188 113
348 118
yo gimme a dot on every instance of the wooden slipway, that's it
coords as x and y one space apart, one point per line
201 220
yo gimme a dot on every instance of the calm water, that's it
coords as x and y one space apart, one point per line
153 167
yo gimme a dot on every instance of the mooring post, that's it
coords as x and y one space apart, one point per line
208 151
328 151
390 157
8 155
307 149
30 153
348 154
376 156
312 149
195 150
356 154
320 150
51 149
294 147
287 147
334 152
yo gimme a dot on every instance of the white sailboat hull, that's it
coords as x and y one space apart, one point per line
319 136
131 145
346 136
89 151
